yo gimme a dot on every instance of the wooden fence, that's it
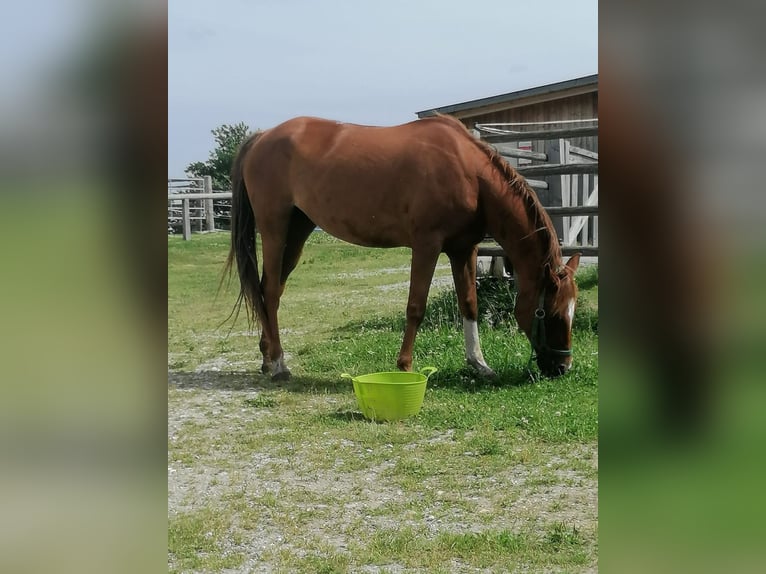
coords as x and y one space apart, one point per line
564 176
193 205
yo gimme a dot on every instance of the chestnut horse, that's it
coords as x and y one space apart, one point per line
427 185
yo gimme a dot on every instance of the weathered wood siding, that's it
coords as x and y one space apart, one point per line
575 107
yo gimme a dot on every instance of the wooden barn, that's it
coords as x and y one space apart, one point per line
575 99
549 133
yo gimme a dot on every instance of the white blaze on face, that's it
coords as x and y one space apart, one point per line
570 312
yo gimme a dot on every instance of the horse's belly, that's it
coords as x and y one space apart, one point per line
359 224
365 233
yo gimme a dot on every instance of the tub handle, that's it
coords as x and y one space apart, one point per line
346 376
428 371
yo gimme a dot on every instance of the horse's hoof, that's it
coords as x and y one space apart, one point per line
484 370
281 376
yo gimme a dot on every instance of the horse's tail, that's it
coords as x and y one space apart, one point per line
243 243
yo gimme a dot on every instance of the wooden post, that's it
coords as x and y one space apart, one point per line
497 267
585 201
558 185
566 193
209 213
595 219
187 220
580 222
569 222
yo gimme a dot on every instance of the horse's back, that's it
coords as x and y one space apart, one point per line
318 139
377 186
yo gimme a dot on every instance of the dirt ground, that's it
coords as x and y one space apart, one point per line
287 501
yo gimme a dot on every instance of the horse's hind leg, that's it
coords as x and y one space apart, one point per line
264 347
282 259
300 229
423 264
463 265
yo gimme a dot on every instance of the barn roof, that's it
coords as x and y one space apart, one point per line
521 97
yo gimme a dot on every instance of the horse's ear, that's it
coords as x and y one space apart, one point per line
573 262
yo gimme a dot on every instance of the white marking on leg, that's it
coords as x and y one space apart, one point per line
278 366
473 352
472 347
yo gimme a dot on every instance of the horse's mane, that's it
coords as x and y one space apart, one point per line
544 229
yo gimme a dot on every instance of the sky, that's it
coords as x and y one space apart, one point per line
369 62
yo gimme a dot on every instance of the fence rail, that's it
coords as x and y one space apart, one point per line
568 184
192 203
494 250
558 169
574 132
573 210
188 196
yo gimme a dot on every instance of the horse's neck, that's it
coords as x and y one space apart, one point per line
511 226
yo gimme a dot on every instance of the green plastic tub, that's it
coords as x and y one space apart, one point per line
390 396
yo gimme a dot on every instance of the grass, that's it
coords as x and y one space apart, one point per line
492 474
196 540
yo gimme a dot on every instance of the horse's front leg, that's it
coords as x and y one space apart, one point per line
464 274
422 271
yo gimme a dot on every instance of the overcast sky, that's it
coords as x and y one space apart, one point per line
265 61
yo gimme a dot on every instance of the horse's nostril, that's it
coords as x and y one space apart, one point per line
560 369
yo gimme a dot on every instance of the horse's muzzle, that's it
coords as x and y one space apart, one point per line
553 367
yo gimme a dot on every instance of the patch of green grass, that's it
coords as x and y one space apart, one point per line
317 562
262 401
177 365
562 409
334 283
485 549
586 310
558 410
196 541
486 442
469 545
333 563
496 299
457 397
395 544
587 280
560 537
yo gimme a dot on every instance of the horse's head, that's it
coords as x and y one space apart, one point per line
545 311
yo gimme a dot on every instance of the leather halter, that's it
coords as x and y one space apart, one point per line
538 339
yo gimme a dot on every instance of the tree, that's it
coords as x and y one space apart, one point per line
228 138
